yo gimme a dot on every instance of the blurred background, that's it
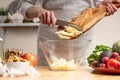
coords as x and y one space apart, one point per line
5 3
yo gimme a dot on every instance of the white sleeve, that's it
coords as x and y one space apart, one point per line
96 2
25 5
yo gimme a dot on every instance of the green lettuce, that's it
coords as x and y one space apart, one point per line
96 52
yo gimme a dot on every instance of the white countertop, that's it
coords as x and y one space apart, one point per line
18 24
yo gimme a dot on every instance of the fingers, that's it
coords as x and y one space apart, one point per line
47 17
53 18
116 1
111 9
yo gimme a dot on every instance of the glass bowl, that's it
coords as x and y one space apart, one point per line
64 54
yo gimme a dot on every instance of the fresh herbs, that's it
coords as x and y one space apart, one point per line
3 11
95 54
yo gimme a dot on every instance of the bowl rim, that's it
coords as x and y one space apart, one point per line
18 62
82 39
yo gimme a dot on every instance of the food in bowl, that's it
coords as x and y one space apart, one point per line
63 64
64 54
68 33
13 60
13 56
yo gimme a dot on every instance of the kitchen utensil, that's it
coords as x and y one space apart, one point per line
64 54
90 16
66 23
86 20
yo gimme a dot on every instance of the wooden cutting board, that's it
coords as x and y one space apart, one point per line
89 17
85 20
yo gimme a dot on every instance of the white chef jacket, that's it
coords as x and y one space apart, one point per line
63 9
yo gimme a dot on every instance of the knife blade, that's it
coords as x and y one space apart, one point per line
65 23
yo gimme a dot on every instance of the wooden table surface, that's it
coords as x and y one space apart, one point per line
83 73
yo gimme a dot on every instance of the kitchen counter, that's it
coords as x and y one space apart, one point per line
83 73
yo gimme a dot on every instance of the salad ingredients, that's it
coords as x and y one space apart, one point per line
118 66
105 59
116 46
68 33
94 63
108 62
118 58
105 53
115 55
95 54
112 63
102 65
13 56
62 64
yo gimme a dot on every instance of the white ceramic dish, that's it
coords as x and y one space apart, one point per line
17 65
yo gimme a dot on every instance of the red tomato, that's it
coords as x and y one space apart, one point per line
102 65
112 63
118 58
114 55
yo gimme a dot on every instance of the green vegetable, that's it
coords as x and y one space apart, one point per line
105 53
95 54
3 11
116 47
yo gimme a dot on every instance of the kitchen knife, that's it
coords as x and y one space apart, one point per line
65 23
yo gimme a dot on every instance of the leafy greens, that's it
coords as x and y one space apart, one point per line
95 54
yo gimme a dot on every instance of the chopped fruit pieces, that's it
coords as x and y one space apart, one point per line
68 33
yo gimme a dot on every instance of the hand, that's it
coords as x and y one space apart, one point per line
47 17
111 8
116 1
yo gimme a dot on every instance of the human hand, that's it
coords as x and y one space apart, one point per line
111 8
116 1
47 17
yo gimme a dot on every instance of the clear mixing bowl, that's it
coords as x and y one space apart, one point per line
64 54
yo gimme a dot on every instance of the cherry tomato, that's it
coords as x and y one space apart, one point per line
112 63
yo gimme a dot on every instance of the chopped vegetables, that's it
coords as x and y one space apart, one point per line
68 33
116 46
95 54
62 64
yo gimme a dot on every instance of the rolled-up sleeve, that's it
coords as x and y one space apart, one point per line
96 2
25 5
